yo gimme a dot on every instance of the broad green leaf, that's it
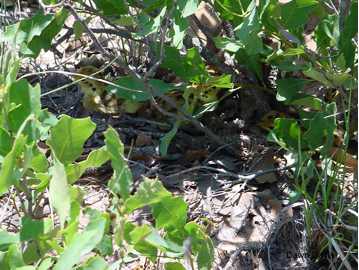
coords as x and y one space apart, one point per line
9 168
288 88
82 243
231 10
312 73
287 134
294 196
327 33
32 229
78 29
105 247
46 263
43 41
39 161
111 7
27 101
59 191
94 263
95 159
95 214
307 101
68 137
295 13
195 69
201 245
150 26
174 61
5 142
248 31
338 78
178 29
227 44
148 192
31 253
346 45
6 240
171 214
189 8
166 245
153 4
138 235
174 266
14 257
25 30
122 179
317 131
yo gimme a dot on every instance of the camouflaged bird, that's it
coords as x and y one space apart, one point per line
97 99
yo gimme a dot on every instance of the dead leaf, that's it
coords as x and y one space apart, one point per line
143 140
191 156
337 154
262 162
275 208
95 60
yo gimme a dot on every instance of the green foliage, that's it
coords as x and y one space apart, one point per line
23 124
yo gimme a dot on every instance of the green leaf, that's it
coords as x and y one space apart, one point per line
68 137
6 240
27 102
190 7
287 133
78 29
138 235
346 45
111 7
248 31
166 245
171 213
231 10
201 245
14 257
148 192
295 13
105 247
43 41
82 243
174 266
32 229
288 88
9 168
312 73
166 140
95 159
307 101
59 191
121 181
294 196
174 61
39 161
94 263
195 69
46 263
227 44
178 29
25 30
5 142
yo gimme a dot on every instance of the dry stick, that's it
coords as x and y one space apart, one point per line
187 116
